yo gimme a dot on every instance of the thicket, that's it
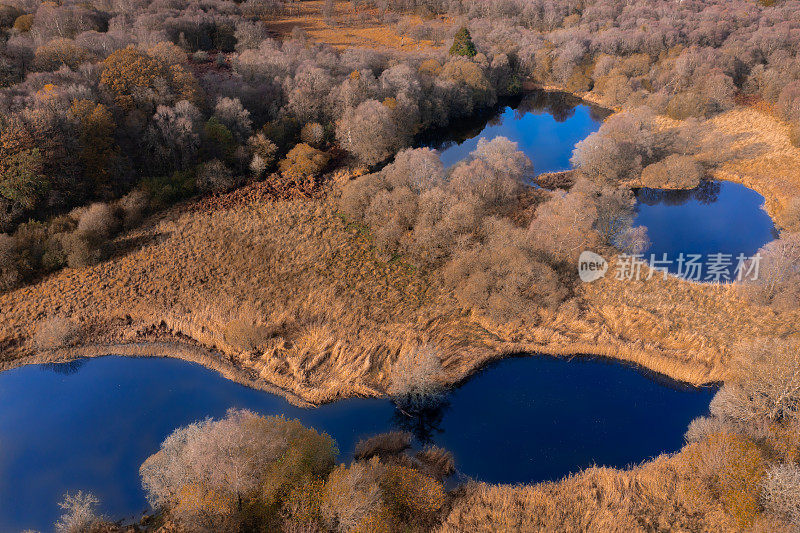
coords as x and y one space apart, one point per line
461 222
246 472
746 454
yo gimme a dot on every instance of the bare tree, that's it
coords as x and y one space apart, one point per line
765 384
416 376
80 513
781 491
778 280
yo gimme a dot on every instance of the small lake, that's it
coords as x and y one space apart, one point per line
89 424
717 217
545 125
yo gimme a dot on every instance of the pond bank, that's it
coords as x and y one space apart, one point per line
336 317
535 430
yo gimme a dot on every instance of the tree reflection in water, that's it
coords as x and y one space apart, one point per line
706 193
423 421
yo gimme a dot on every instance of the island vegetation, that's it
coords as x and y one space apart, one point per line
208 180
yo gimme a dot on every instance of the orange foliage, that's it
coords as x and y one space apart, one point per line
127 71
97 138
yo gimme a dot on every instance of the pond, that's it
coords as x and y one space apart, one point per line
718 217
545 125
89 424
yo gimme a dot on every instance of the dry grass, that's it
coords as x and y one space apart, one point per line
362 29
293 296
660 495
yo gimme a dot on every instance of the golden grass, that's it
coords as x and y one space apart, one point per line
661 495
362 29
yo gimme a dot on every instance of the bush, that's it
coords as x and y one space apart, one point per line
381 497
389 443
674 172
730 468
313 133
417 377
9 271
370 132
23 23
214 177
794 133
781 491
54 333
352 499
778 274
502 275
80 514
216 473
765 384
438 462
303 162
264 152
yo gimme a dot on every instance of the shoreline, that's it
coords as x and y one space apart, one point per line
619 321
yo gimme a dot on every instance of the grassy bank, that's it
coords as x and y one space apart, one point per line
292 295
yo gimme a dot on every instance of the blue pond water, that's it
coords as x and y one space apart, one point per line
545 125
717 217
89 425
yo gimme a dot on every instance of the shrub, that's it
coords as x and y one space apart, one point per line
437 462
265 154
765 384
416 377
563 226
302 162
781 491
502 275
133 206
794 133
23 23
80 513
214 177
58 52
9 271
674 172
352 499
389 443
54 333
97 223
730 469
211 474
462 44
778 274
313 133
412 498
370 132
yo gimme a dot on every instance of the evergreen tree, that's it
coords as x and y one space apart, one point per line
462 44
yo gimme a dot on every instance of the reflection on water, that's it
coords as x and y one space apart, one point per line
706 193
521 420
546 125
63 368
424 422
715 218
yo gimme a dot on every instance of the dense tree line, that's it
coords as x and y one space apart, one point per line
179 98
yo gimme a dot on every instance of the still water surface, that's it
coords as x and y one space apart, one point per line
88 425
